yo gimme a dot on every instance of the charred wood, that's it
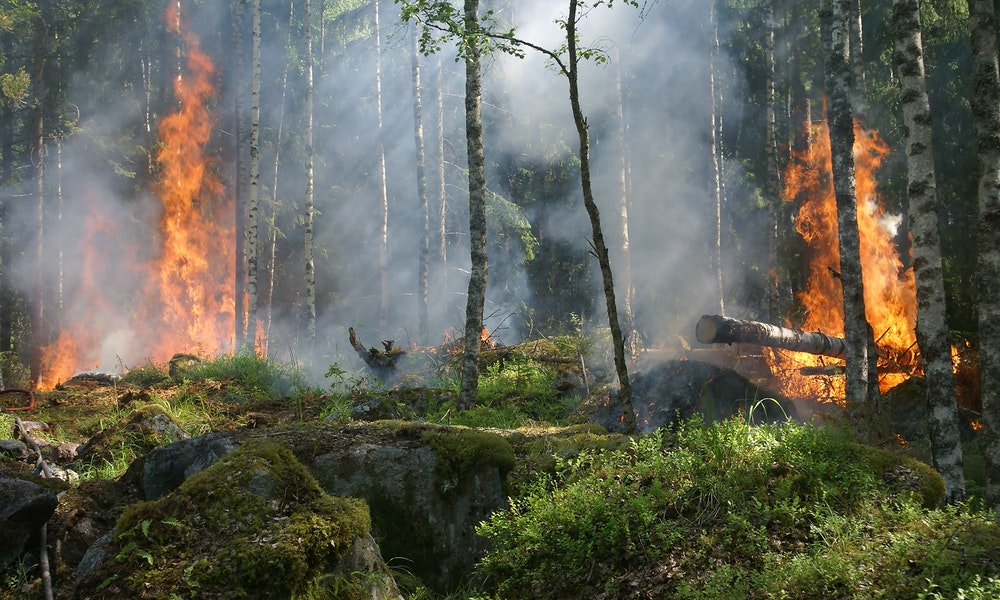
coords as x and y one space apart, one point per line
382 362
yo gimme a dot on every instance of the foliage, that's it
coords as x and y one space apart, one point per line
733 511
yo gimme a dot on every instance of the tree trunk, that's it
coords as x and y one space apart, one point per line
423 259
254 199
857 56
477 212
621 173
715 251
383 196
717 329
772 179
861 404
38 159
932 327
442 224
272 227
986 112
600 248
310 264
241 140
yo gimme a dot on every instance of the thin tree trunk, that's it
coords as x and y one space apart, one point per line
477 212
600 248
38 160
272 228
310 265
772 180
857 56
383 195
254 198
986 112
860 405
442 225
715 252
932 327
241 139
425 229
621 173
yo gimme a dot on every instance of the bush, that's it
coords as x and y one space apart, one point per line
732 511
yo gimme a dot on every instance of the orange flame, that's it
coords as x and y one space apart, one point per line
890 295
185 299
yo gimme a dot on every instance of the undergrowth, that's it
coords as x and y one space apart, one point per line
733 511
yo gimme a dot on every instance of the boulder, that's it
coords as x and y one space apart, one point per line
24 508
427 487
677 389
255 524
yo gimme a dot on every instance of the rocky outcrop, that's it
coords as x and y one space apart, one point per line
427 487
255 524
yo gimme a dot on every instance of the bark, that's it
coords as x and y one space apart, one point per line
715 252
38 161
273 230
717 329
383 195
254 199
856 33
600 248
861 393
241 139
423 250
477 212
772 184
310 264
621 173
932 327
381 361
442 223
986 112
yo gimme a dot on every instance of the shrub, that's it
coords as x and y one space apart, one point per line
732 511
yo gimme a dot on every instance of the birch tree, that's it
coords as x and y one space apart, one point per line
310 264
241 176
860 404
254 196
986 112
383 195
932 328
423 250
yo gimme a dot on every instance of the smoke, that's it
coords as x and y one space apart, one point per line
108 230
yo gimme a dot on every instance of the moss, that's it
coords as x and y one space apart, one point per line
905 474
461 452
538 450
255 524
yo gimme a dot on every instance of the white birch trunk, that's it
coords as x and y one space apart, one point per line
932 327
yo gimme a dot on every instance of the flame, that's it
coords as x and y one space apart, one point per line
184 296
890 294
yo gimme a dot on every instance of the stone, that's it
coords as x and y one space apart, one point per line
24 508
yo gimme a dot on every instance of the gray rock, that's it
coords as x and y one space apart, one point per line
24 508
165 468
15 449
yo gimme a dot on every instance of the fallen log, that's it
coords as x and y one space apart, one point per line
716 329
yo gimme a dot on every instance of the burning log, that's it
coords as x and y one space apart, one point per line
716 329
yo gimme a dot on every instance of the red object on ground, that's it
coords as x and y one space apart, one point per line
28 393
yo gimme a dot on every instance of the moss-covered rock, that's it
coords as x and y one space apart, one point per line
254 525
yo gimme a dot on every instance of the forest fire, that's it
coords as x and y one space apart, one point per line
184 293
890 296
